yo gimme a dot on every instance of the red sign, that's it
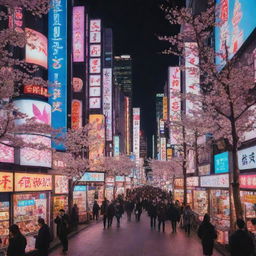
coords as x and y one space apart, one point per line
36 89
248 181
76 114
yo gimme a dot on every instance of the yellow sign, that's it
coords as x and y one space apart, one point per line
32 182
169 154
165 108
98 130
250 199
6 181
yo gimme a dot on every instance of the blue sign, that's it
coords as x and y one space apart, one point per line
57 65
93 177
80 188
26 203
120 178
116 146
221 163
238 21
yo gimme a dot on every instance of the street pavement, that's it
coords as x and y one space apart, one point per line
132 239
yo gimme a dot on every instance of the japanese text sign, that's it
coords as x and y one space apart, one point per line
32 182
78 33
36 90
61 184
179 183
247 158
221 163
76 114
6 182
93 176
57 64
136 133
248 181
192 181
116 146
174 88
215 181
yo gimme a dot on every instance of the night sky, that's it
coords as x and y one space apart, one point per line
136 25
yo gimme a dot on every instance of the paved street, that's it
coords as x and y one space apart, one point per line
132 239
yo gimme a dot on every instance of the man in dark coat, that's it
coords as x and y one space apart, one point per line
152 212
17 242
62 221
119 210
43 238
129 206
162 215
207 234
111 213
174 216
104 211
138 210
241 242
95 210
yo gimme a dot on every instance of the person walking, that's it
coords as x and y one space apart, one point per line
119 210
43 238
241 242
62 221
174 217
95 210
129 206
187 219
207 234
162 215
17 242
75 216
110 213
152 212
138 210
104 211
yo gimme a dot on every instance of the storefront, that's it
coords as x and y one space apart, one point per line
79 198
219 203
200 202
179 191
31 201
6 186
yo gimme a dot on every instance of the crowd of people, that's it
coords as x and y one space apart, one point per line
160 208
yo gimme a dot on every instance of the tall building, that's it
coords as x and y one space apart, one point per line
123 73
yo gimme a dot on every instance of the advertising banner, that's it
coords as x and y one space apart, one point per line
32 182
78 84
192 181
36 90
163 149
78 33
215 181
107 101
6 181
57 64
192 74
237 22
116 146
76 114
61 184
136 133
247 158
93 177
165 108
221 163
174 88
204 170
36 48
248 181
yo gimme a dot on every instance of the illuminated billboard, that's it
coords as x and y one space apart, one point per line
221 163
116 146
40 111
60 184
36 157
174 88
93 177
107 101
36 48
192 74
76 114
35 90
127 125
237 22
57 64
165 108
163 153
136 133
78 33
98 130
6 182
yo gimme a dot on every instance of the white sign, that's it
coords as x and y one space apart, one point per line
136 133
204 169
174 88
192 73
107 101
95 65
95 91
95 50
192 181
215 181
94 80
94 103
163 149
191 161
247 158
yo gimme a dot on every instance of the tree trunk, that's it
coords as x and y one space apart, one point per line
114 195
196 154
184 165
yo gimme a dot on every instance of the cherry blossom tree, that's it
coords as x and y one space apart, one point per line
227 100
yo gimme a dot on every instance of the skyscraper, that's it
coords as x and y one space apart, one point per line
123 73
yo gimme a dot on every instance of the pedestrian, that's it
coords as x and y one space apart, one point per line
162 215
104 211
253 221
174 217
95 210
43 238
119 210
129 206
152 212
138 210
187 219
241 242
62 221
182 209
111 213
17 242
207 234
75 216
